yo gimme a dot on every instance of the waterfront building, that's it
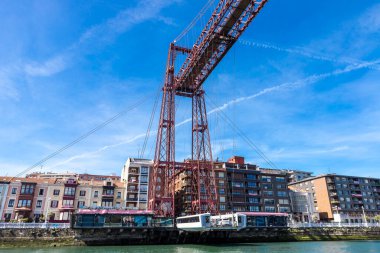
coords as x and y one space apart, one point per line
240 187
25 199
135 176
253 189
34 198
342 198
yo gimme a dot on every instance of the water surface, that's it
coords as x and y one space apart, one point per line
290 247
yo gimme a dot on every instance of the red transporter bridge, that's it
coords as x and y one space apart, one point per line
228 21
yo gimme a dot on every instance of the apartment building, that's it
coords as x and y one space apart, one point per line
240 187
25 198
342 198
254 190
34 198
135 176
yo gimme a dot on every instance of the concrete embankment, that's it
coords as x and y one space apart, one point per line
130 236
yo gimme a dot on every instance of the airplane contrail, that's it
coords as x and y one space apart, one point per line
288 85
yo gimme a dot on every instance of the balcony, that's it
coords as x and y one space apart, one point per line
107 195
67 207
132 199
133 171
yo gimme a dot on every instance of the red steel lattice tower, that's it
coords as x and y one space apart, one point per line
228 21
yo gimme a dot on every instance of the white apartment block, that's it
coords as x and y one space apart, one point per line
135 176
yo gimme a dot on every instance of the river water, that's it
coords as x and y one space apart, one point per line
291 247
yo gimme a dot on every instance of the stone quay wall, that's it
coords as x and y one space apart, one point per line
39 237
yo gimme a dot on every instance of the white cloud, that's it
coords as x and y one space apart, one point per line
47 68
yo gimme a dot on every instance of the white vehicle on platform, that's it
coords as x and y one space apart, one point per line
229 221
198 222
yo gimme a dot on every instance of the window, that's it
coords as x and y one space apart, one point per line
269 209
269 201
281 194
221 191
221 183
11 203
7 217
143 197
69 191
251 176
267 186
237 184
39 204
27 189
144 170
82 193
281 186
222 199
221 174
280 179
68 203
254 208
222 207
41 192
117 205
266 179
268 193
252 192
108 192
143 188
14 190
253 200
251 184
95 203
144 179
56 192
284 209
24 203
107 203
119 195
81 204
54 203
283 201
96 194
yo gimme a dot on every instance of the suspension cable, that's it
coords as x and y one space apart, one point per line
84 136
243 135
152 115
195 20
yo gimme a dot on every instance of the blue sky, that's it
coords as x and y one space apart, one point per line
302 84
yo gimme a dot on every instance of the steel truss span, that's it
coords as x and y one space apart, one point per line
228 21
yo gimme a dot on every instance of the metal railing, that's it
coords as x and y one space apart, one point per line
332 224
34 225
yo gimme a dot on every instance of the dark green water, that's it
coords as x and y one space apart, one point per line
291 247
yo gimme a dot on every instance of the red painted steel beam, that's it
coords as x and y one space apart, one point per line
225 26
